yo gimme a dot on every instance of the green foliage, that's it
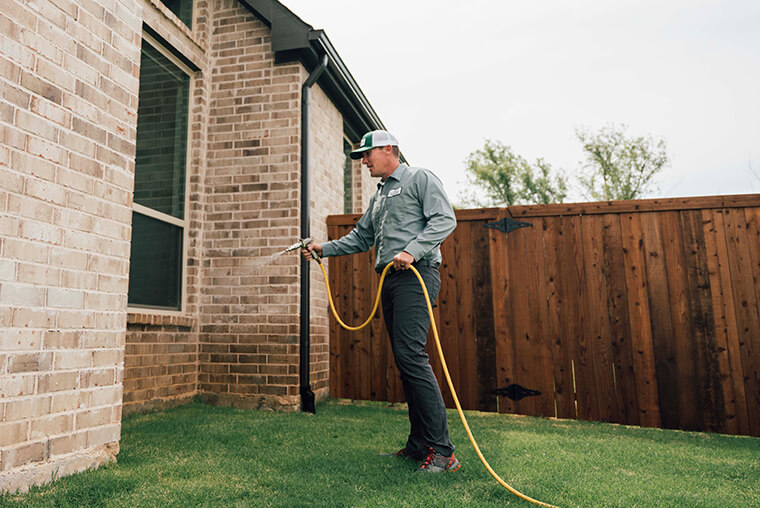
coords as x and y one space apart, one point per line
199 455
499 176
619 166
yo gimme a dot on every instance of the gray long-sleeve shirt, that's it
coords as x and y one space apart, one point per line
409 212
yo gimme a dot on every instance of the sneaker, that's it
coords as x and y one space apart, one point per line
437 463
403 453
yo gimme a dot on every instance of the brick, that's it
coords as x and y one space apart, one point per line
26 408
53 72
45 190
17 386
52 425
40 87
30 362
23 206
107 396
34 124
67 401
33 318
7 270
68 258
57 381
73 359
68 443
34 166
15 95
57 339
96 378
93 418
13 433
37 274
65 298
19 294
73 319
104 435
51 111
77 144
34 452
47 150
14 138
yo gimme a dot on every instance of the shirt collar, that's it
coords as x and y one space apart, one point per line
397 174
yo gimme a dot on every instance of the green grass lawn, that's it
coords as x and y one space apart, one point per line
198 455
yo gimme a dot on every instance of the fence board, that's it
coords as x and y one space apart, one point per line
503 328
539 318
752 217
464 256
599 330
689 397
447 326
559 324
523 336
724 307
746 310
711 413
642 313
617 307
483 313
645 374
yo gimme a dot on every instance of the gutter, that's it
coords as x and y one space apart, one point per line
307 396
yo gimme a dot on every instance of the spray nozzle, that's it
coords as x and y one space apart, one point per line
303 243
300 244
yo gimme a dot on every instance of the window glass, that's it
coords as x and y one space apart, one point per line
155 269
161 134
156 259
183 9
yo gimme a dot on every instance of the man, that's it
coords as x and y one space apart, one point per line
407 220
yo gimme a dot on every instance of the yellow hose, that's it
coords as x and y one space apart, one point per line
443 364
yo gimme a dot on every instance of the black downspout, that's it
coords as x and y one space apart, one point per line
307 396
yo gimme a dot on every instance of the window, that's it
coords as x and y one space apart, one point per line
348 178
158 217
183 9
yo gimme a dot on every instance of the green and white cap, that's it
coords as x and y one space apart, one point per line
374 139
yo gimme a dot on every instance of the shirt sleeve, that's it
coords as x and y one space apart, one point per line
359 239
438 213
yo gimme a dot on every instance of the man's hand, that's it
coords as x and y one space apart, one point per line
403 260
312 246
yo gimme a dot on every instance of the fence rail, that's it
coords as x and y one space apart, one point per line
637 312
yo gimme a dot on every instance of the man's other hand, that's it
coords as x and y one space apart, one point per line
403 260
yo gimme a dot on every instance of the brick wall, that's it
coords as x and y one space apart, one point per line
326 149
161 354
69 83
68 98
249 307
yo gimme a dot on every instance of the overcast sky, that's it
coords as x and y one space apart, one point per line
445 76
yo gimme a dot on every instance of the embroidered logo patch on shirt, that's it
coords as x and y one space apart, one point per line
394 192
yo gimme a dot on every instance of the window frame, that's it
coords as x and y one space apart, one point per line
164 217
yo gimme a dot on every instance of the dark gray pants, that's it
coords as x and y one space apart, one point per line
407 319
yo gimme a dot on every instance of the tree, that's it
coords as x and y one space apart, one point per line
500 177
619 166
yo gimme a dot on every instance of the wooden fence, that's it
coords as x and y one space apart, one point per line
636 312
